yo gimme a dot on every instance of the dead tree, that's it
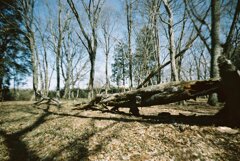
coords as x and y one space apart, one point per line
46 100
156 95
228 87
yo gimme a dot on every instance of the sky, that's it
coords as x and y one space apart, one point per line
120 33
43 12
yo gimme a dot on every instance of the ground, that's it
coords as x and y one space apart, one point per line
167 132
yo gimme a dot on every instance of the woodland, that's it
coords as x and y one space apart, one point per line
119 80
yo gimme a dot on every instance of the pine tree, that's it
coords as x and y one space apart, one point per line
120 65
144 58
14 57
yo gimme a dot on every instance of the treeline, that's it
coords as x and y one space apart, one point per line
58 42
27 94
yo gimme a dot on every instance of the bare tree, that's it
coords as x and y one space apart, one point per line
216 48
153 8
129 9
172 49
213 32
203 30
73 65
57 28
229 39
44 65
183 23
27 12
58 52
68 55
61 30
154 16
107 26
89 40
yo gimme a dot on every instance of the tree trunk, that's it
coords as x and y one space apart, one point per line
228 89
68 78
45 63
106 73
154 15
34 64
58 54
58 74
230 92
46 72
157 46
92 72
40 72
156 95
215 51
172 49
129 27
1 88
93 11
163 93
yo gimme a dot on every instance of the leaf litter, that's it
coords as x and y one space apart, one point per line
51 133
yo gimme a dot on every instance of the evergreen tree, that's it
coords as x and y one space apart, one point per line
14 57
145 59
120 65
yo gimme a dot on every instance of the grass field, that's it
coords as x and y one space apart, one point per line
169 132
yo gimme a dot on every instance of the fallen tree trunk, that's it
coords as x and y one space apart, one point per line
155 71
156 95
228 89
46 100
162 94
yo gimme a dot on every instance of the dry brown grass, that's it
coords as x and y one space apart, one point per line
51 133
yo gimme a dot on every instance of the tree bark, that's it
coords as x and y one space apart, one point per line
153 9
58 53
156 95
34 64
215 50
27 10
1 88
106 74
107 28
68 76
163 93
230 92
129 27
172 49
92 72
45 63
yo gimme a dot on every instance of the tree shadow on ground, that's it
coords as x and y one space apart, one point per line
79 147
201 120
167 118
18 149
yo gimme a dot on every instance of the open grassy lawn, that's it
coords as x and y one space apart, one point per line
169 132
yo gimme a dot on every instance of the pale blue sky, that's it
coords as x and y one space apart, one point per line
48 8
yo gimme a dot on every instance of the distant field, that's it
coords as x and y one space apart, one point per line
169 132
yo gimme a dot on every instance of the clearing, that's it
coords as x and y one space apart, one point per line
166 132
